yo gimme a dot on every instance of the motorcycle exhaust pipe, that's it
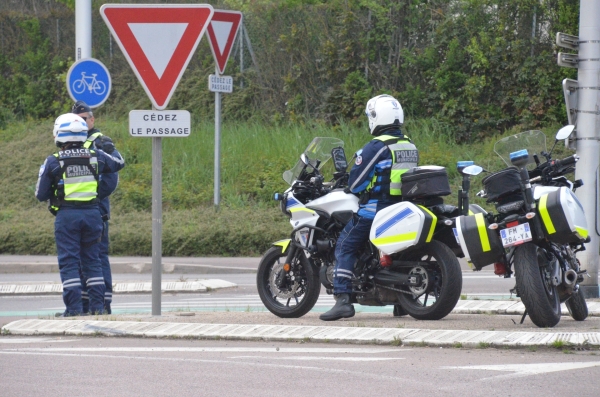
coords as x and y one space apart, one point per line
570 278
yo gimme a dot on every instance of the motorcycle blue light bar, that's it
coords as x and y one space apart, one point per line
519 154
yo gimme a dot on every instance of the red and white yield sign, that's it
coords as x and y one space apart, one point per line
222 31
158 41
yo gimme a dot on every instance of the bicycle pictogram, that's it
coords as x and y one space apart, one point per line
89 82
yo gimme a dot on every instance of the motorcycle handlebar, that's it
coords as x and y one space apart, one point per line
566 162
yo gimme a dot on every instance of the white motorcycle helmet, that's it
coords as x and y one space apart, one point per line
69 128
384 113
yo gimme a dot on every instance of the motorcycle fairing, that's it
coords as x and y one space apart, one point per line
284 244
401 226
563 219
336 200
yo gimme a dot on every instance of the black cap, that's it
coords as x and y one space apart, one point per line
80 107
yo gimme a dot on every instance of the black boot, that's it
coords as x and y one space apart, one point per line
399 311
342 309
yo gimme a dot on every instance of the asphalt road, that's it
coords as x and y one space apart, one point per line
152 367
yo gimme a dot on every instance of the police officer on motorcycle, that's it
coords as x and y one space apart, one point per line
376 177
108 184
68 179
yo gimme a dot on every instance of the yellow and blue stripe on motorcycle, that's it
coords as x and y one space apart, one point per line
479 244
401 226
563 218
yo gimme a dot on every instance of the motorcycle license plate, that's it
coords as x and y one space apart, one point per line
516 235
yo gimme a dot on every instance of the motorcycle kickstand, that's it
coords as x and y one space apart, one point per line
523 318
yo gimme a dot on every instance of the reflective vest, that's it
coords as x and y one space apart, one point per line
78 178
90 139
405 156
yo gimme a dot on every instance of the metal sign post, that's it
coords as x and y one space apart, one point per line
587 135
583 110
222 31
156 225
217 182
158 42
83 29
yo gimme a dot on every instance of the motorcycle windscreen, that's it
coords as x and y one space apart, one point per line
401 226
480 245
563 218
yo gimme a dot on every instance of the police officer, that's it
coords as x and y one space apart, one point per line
376 177
69 181
108 183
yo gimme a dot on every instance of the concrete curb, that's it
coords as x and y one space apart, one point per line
258 332
128 268
120 288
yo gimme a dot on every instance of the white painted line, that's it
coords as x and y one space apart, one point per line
529 369
34 340
324 358
275 350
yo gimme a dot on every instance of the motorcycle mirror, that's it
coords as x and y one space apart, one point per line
564 132
472 170
339 159
304 158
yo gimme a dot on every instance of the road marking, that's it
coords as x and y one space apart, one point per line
279 366
310 358
292 350
520 370
35 340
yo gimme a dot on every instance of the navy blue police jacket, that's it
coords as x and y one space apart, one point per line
107 183
374 156
107 164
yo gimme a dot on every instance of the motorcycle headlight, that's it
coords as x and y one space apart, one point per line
282 198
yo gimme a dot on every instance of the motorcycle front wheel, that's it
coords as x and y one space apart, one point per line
534 284
442 282
577 307
300 288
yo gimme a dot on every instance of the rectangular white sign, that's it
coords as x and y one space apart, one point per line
220 83
159 123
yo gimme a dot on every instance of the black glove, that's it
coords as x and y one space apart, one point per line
106 144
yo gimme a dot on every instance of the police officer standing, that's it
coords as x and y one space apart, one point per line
108 183
376 177
69 179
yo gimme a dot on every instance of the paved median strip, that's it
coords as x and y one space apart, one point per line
121 288
260 332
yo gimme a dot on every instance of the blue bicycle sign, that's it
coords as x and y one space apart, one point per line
88 80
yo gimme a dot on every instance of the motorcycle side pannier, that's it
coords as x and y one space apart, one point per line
424 182
563 219
479 244
503 186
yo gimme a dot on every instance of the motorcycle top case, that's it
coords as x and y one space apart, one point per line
502 184
425 181
563 218
400 226
480 245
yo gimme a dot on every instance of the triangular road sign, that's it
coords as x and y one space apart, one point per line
222 31
158 41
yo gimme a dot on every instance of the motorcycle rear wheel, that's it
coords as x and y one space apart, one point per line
298 296
577 306
537 293
445 283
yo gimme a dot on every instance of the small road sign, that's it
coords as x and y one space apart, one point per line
220 83
222 31
88 80
159 123
158 41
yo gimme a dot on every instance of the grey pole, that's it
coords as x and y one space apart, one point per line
83 29
587 136
217 145
156 224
